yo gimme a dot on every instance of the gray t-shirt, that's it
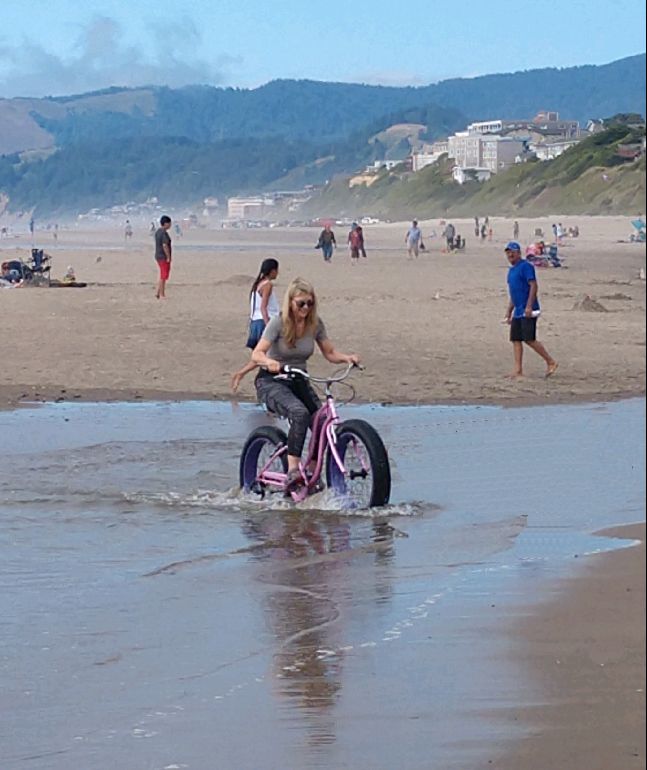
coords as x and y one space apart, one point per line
304 347
161 237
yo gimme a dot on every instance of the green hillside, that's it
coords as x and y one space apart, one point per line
590 178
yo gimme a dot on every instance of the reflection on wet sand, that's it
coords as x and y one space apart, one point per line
307 562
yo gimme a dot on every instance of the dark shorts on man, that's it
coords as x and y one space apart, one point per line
523 330
354 252
165 269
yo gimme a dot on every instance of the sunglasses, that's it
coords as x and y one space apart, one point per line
301 303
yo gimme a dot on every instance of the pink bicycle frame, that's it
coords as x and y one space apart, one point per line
323 435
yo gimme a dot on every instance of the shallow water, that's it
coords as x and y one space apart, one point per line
154 618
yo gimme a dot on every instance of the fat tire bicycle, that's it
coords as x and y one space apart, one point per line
350 455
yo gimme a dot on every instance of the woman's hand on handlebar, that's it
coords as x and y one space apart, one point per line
272 366
353 359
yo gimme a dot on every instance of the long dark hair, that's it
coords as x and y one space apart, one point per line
267 265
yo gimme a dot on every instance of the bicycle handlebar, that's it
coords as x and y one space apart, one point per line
293 371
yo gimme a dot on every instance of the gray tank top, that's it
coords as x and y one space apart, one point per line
304 347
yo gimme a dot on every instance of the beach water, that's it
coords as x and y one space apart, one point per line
154 618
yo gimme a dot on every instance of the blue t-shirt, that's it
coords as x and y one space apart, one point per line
519 276
413 235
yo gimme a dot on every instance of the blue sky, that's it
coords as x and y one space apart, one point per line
55 47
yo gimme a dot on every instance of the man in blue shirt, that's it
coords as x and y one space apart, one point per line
523 311
413 239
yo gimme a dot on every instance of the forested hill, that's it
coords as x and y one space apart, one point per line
313 111
70 154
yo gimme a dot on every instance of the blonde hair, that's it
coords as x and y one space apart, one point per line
289 330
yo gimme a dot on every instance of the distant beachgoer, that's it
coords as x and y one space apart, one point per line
554 228
483 232
559 234
523 311
355 242
490 233
326 243
413 240
153 229
163 255
178 230
128 230
55 233
515 231
263 307
477 228
449 232
360 235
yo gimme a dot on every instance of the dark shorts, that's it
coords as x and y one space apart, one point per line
523 330
165 269
354 252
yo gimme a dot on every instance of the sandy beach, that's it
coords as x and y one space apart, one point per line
429 331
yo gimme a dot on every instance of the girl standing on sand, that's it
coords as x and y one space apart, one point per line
263 306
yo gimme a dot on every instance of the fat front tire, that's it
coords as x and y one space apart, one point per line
367 481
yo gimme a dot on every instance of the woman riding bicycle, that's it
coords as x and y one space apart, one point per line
289 339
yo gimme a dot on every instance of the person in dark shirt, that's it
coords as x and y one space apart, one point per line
327 243
163 255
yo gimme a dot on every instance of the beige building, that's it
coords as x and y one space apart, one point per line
465 148
429 154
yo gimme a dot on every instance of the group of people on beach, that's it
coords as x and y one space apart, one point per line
327 243
285 334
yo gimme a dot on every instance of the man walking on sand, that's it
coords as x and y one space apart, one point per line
163 255
523 311
413 240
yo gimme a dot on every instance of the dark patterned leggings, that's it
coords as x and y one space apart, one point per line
293 399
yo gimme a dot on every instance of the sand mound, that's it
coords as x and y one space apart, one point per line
589 304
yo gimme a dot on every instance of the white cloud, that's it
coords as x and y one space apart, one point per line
100 59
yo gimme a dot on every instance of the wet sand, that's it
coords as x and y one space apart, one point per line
429 330
585 650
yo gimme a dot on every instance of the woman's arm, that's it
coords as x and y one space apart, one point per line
265 298
260 357
330 354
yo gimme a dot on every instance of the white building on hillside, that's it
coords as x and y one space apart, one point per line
552 150
465 148
500 152
247 208
486 127
471 174
484 150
